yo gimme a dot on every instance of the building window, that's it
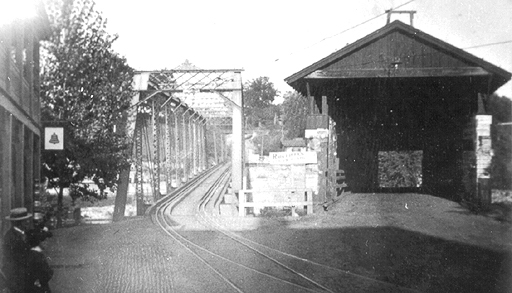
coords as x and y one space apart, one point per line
27 57
36 158
5 127
14 45
17 163
27 168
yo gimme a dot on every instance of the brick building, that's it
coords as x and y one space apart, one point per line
20 123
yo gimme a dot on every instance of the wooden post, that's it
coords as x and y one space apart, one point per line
241 203
312 105
325 106
483 153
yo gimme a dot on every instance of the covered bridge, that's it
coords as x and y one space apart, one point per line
400 89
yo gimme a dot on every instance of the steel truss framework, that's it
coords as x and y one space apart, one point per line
179 120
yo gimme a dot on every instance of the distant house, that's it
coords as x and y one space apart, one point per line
20 122
294 145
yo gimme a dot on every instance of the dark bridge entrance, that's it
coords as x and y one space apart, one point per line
399 89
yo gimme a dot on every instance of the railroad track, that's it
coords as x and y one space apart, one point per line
245 265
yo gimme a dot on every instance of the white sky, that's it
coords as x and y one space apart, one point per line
252 35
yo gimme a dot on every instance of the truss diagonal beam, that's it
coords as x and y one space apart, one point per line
232 103
214 79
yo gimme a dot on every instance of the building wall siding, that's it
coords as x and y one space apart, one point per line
20 128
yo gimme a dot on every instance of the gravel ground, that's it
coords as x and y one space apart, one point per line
415 241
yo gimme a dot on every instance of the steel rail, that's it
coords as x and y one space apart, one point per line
158 210
184 239
201 207
240 239
165 207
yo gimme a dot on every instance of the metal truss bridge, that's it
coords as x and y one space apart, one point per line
182 121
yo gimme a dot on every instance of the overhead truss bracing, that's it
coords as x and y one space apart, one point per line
207 92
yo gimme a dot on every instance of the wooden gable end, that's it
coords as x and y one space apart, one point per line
398 54
399 50
397 47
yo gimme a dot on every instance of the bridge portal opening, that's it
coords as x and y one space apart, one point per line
400 169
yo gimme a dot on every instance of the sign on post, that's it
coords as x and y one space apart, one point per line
54 138
291 158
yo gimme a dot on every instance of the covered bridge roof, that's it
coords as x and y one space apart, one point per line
399 50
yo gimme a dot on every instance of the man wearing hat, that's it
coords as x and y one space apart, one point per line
15 249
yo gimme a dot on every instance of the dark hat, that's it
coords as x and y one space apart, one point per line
19 214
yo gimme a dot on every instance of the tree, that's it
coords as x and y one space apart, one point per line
295 109
400 169
258 95
85 87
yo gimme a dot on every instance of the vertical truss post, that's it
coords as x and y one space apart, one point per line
237 148
200 148
168 145
190 151
200 151
204 139
139 193
193 130
176 150
215 157
140 82
191 145
222 148
156 150
185 152
129 129
198 144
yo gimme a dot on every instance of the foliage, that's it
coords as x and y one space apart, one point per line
267 140
258 95
400 169
295 109
501 135
85 87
